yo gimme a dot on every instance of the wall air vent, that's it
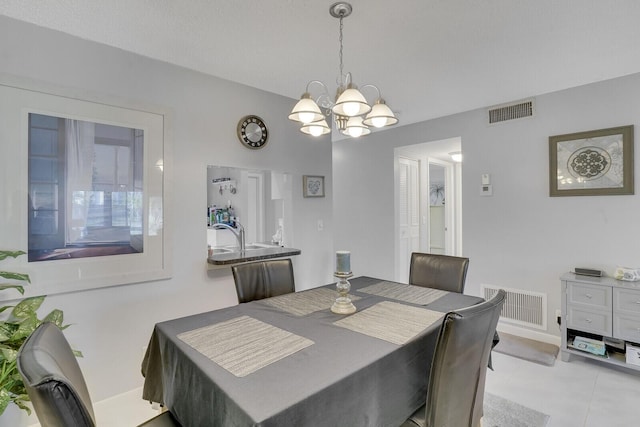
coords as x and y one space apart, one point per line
525 308
514 111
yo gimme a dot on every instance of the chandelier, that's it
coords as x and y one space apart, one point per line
352 115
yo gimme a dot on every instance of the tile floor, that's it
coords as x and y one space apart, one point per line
579 393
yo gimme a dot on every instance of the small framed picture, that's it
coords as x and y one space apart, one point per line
592 163
312 186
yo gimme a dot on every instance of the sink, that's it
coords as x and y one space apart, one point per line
236 249
221 251
259 246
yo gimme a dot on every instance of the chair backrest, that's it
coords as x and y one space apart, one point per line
53 379
443 272
263 279
456 384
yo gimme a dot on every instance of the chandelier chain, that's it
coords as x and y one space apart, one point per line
341 64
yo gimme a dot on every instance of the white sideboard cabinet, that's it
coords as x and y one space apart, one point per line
597 307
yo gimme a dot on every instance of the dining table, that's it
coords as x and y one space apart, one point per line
290 361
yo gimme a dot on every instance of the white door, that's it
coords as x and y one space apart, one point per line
408 215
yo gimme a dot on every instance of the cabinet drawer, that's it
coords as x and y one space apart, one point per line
627 328
626 300
587 320
589 295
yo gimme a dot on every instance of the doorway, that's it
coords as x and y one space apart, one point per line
428 202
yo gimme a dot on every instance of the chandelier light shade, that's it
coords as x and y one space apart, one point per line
352 114
316 128
355 128
351 103
380 115
306 110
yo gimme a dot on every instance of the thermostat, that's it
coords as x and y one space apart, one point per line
486 190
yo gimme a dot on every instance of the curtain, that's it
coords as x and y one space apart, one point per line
80 139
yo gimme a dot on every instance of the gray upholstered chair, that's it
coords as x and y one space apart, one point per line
263 279
443 272
455 392
55 383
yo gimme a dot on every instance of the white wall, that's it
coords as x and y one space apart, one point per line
520 237
112 325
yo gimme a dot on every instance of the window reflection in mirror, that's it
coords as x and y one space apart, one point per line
260 200
85 189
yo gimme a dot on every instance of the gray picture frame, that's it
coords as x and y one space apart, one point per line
592 163
312 186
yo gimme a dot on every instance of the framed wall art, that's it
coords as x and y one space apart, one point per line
592 163
88 188
312 186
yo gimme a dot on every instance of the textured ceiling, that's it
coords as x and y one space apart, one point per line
429 58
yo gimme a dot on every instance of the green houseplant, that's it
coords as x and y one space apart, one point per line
15 327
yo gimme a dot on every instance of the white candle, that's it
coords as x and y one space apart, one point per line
343 262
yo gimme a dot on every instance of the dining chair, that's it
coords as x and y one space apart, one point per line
444 272
263 279
455 391
55 384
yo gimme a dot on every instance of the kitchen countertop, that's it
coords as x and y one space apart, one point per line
236 257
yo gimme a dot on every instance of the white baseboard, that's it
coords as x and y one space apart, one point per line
528 333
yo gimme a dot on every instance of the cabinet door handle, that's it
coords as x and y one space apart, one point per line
638 302
588 296
588 320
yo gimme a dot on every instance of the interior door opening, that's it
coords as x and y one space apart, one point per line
428 214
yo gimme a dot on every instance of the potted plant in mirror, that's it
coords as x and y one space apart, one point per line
15 326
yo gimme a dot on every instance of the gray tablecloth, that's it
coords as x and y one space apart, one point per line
344 379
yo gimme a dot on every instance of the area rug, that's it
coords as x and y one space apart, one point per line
499 412
524 348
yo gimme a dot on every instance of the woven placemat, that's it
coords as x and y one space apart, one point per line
391 321
406 293
244 345
305 302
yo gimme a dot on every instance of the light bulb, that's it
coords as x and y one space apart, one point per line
306 117
355 131
315 130
379 122
351 108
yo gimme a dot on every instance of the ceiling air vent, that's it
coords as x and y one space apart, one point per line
518 110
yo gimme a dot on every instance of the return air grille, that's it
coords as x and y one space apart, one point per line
521 307
511 112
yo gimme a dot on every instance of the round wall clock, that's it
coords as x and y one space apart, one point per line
252 132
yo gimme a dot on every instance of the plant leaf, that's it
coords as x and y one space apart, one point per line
77 353
6 307
19 401
27 326
5 398
56 316
19 288
15 276
27 307
9 354
13 254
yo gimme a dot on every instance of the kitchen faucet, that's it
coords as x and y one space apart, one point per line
239 233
